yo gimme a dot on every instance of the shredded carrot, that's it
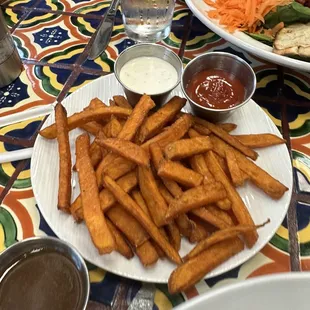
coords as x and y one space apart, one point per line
244 15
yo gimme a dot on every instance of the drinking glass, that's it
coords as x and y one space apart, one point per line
147 20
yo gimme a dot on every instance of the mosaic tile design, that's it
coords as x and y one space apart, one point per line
51 37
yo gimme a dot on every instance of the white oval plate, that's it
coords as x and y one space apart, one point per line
286 291
240 39
44 176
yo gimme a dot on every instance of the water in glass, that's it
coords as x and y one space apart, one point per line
147 20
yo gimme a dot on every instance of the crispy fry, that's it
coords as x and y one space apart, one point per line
177 172
121 165
92 127
198 164
233 167
107 199
94 218
121 245
223 163
221 133
174 235
227 126
80 118
219 236
149 190
201 129
156 155
126 201
126 149
221 214
147 254
210 217
199 232
126 182
176 131
96 103
128 225
196 197
184 224
137 196
189 273
121 101
258 176
159 251
112 128
77 210
64 187
187 147
112 103
240 211
159 119
260 140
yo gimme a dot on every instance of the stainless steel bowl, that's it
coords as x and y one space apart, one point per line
17 251
147 50
224 61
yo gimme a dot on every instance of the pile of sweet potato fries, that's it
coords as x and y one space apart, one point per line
150 178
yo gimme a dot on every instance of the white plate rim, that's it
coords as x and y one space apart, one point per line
287 276
243 41
161 280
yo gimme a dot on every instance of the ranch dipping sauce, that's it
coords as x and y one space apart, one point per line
148 75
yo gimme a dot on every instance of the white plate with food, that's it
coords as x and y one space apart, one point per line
273 292
45 169
263 40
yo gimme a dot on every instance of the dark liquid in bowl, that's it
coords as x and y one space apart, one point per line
42 280
215 89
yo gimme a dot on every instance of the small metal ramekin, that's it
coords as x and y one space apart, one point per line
16 251
233 64
147 50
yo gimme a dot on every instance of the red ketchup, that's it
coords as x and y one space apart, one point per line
216 89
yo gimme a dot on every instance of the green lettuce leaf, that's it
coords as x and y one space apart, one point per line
261 37
288 14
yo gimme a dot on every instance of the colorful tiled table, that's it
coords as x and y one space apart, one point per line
53 37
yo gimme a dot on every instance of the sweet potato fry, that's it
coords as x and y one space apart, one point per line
94 218
121 101
202 129
187 147
173 133
112 128
126 149
177 172
138 198
260 140
92 127
258 176
221 133
210 217
112 103
128 225
147 254
233 167
126 182
189 273
80 118
149 190
159 119
224 204
240 210
184 224
196 197
199 233
126 201
121 245
227 126
157 155
121 165
96 103
221 214
64 187
107 199
174 235
219 236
